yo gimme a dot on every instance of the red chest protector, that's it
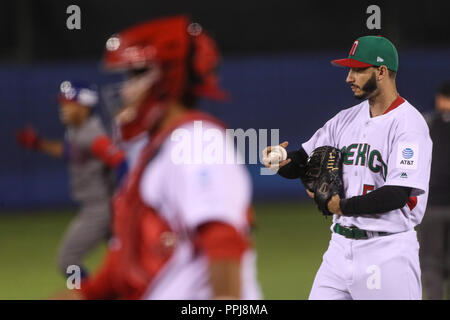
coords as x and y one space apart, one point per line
145 240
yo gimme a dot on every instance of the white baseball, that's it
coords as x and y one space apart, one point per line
275 156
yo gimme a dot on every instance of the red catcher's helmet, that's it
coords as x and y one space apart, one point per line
186 56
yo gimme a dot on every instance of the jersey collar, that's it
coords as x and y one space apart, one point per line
397 102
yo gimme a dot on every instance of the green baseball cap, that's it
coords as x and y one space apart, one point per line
369 51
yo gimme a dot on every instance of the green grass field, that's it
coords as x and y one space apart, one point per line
290 240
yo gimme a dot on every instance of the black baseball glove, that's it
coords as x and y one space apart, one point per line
324 176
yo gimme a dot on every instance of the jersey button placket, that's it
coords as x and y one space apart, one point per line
366 125
366 162
350 262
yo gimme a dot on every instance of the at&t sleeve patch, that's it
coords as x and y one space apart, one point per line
407 156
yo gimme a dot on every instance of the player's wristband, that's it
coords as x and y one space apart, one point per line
296 168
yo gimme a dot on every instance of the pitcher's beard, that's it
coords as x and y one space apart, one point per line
368 88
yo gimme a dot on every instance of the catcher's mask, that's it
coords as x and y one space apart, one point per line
163 61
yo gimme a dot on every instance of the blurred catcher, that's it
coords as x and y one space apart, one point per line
181 230
91 157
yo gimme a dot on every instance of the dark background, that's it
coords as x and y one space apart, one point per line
276 66
33 31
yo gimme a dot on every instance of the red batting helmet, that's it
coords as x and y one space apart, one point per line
185 56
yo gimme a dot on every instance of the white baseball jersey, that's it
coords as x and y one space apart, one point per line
390 149
188 195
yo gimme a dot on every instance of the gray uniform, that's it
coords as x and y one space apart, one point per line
92 185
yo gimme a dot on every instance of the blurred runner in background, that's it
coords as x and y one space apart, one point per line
93 162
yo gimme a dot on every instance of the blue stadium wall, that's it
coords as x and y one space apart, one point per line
293 93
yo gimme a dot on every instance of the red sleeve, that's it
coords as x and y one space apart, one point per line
100 285
104 149
221 241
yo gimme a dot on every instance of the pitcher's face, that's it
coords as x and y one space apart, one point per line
362 81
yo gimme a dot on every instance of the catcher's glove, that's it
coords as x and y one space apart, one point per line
324 176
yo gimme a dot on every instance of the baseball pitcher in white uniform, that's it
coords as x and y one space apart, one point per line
386 152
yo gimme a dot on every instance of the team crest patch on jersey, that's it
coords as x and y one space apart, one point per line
407 156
